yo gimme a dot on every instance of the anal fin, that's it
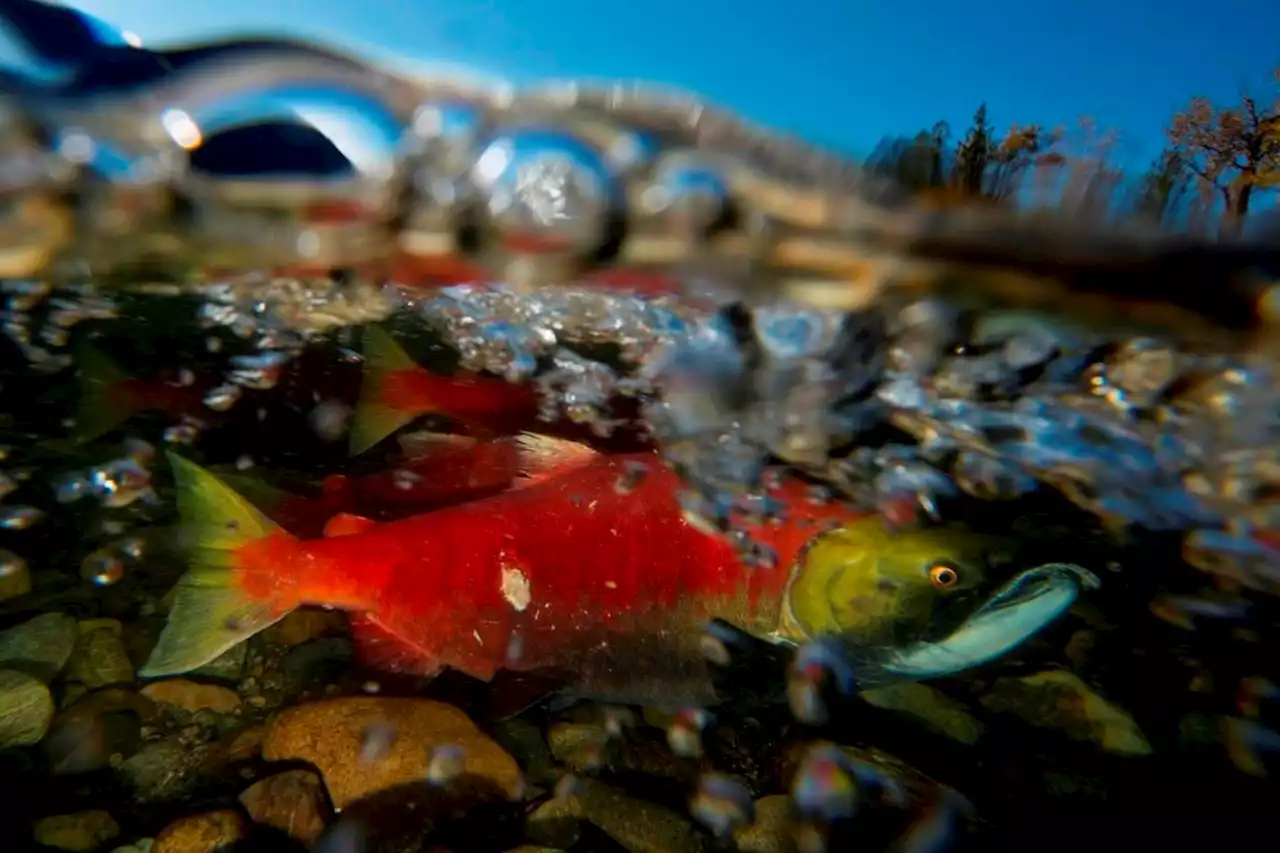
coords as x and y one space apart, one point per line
381 649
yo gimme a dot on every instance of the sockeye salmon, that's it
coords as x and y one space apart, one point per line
593 571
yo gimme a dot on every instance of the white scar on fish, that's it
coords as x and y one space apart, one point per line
515 589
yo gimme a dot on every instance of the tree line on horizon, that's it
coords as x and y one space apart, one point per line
1217 162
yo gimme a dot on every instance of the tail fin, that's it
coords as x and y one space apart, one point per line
229 593
256 490
100 409
374 420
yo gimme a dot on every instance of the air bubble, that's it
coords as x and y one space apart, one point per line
446 763
684 734
722 804
376 741
19 517
102 568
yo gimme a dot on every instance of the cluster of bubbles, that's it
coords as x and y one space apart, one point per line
38 320
995 405
115 484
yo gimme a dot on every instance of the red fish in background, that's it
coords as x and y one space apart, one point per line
442 470
593 548
396 390
109 396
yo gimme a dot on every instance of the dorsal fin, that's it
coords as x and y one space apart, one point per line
542 456
347 524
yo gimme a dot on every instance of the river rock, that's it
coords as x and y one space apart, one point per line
79 832
1058 699
307 623
555 823
936 711
100 657
165 770
210 832
100 728
363 744
26 709
638 825
523 740
773 830
15 576
40 646
191 696
292 802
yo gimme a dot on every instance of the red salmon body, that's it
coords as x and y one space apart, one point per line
465 396
590 569
543 576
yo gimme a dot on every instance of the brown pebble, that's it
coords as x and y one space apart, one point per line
773 830
336 736
243 745
115 626
79 832
191 696
292 802
303 625
200 833
638 825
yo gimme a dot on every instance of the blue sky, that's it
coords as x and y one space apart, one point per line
841 73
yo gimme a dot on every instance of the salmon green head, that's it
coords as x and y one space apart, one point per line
878 587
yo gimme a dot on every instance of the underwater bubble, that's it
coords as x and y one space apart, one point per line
141 452
758 555
988 478
1184 610
121 482
722 804
633 474
824 786
223 397
329 420
684 734
259 372
345 836
446 763
8 485
11 564
815 665
132 547
714 650
1253 691
19 517
102 568
804 697
405 479
15 577
567 787
183 433
618 720
1250 745
1029 349
935 827
376 741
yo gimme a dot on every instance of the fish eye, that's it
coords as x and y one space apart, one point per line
943 575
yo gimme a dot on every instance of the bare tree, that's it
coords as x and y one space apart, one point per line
1234 150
